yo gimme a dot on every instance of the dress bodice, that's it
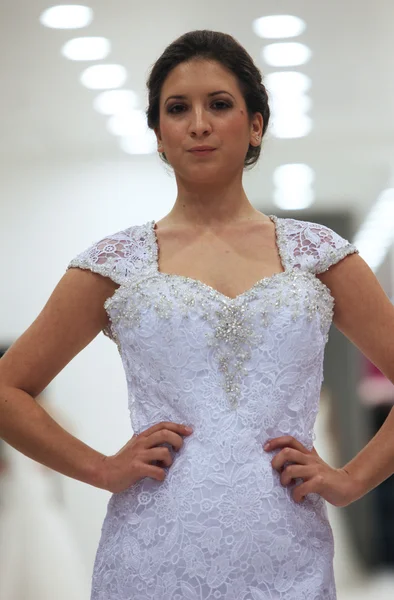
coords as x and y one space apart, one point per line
259 353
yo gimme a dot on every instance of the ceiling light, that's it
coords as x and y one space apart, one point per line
146 144
87 48
294 186
289 126
288 54
293 199
292 104
294 175
101 77
287 82
71 16
115 101
278 26
132 123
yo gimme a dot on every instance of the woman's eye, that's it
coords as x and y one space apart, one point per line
220 102
224 104
171 110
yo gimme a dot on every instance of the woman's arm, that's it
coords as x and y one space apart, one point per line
365 315
71 319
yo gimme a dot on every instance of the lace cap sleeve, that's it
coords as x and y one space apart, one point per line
108 257
316 247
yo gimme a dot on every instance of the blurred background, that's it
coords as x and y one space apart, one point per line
77 163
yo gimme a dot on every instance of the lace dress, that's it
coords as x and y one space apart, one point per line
240 371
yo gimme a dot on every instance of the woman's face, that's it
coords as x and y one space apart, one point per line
211 111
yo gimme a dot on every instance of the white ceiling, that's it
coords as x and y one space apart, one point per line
47 113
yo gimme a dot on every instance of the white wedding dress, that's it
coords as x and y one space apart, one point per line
240 371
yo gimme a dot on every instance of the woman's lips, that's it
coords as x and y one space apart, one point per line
202 152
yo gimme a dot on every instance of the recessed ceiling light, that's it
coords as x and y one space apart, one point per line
70 16
278 26
293 175
293 186
293 104
115 101
87 48
287 82
287 126
146 144
102 77
288 54
295 199
132 123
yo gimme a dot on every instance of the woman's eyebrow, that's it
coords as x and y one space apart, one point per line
182 97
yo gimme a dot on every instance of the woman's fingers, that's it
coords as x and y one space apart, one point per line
295 472
300 491
289 455
294 461
285 441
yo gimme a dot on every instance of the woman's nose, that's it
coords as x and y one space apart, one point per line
199 122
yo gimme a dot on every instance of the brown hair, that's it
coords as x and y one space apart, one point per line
224 49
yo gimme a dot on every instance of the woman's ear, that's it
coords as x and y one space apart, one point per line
158 138
158 134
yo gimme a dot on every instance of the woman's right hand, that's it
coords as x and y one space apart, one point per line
133 461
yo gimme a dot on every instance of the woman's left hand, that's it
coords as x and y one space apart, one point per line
334 485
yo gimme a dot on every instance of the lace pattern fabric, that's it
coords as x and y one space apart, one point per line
240 370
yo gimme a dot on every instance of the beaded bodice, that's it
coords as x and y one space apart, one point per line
240 371
187 317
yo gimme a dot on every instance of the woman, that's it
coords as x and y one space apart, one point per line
221 315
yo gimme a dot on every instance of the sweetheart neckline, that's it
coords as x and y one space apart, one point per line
204 285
